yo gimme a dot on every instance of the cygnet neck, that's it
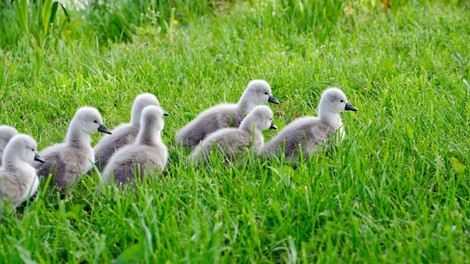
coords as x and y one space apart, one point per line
248 124
329 118
148 135
76 136
135 118
246 104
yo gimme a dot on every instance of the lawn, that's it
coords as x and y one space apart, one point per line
395 190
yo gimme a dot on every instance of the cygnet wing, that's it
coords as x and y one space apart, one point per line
9 188
132 161
63 163
207 122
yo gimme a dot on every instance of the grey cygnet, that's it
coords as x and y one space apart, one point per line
308 133
124 134
18 178
66 162
232 142
147 155
225 115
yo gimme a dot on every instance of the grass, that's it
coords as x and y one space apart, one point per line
395 190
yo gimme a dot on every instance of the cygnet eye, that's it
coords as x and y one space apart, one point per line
266 93
342 101
32 150
95 121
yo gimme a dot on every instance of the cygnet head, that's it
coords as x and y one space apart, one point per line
259 92
88 119
262 117
153 116
140 102
22 147
6 133
334 101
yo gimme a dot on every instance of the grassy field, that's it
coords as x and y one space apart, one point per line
395 190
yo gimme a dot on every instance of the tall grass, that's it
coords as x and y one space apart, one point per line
118 21
35 20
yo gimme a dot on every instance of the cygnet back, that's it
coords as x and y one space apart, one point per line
125 133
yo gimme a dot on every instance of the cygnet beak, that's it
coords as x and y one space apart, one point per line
165 113
37 158
350 107
273 126
273 100
102 128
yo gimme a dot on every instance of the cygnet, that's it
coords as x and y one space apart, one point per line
225 115
232 142
308 133
18 178
6 133
147 155
69 160
125 133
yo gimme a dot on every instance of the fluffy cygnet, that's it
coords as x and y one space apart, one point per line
225 115
125 133
308 133
232 142
67 161
146 155
18 178
6 133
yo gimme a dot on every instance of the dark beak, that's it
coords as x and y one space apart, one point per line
350 107
273 100
273 126
102 128
165 113
37 158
